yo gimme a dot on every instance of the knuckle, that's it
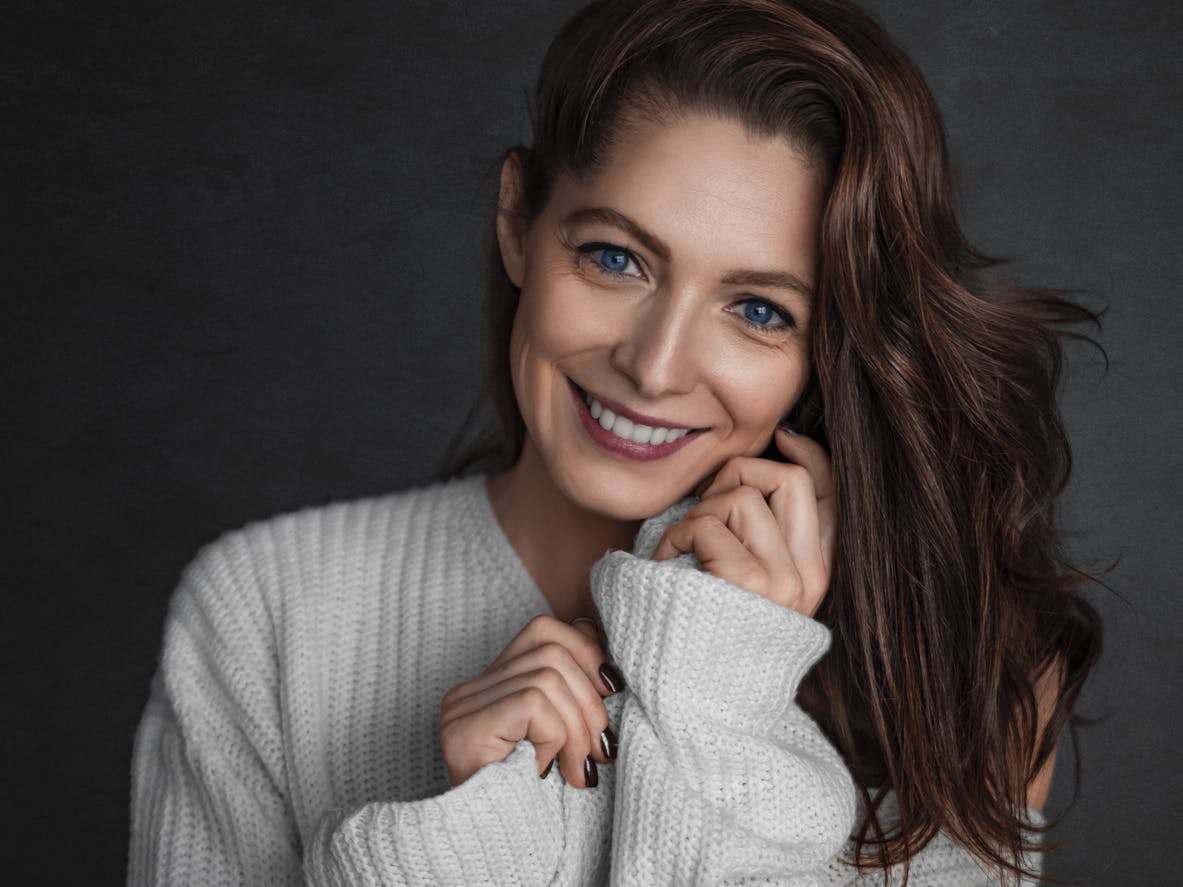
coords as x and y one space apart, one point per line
753 578
797 475
534 699
590 648
672 533
734 464
749 495
550 680
553 655
451 695
815 580
709 521
792 585
539 625
449 734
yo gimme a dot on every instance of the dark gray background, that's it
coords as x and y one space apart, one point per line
243 261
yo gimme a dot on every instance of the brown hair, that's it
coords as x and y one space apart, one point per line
934 388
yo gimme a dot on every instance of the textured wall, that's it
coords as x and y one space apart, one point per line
243 269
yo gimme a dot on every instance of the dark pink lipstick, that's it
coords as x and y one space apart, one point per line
630 449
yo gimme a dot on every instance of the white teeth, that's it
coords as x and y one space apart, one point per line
626 429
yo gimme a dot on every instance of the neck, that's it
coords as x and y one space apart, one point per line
556 539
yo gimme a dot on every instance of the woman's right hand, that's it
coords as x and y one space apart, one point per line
547 686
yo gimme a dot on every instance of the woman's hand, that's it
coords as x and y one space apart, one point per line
547 686
766 526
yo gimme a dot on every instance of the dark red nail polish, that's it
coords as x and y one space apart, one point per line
611 678
608 743
545 773
590 778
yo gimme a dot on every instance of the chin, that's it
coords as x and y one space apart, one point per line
618 499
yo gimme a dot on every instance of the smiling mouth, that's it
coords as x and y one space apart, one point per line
626 429
633 428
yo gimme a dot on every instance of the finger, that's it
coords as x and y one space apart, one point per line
744 511
609 678
528 714
811 455
792 490
797 511
797 448
553 657
590 627
515 699
791 579
585 650
718 550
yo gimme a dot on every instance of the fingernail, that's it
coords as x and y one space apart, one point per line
586 619
608 744
545 773
611 678
789 427
590 778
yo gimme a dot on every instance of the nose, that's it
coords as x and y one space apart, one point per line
656 349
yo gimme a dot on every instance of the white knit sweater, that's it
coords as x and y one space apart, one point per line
290 737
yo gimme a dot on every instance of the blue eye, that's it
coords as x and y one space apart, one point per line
613 260
765 316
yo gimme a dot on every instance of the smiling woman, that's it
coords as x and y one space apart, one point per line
772 444
656 287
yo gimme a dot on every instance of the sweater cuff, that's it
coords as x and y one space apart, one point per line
502 825
682 636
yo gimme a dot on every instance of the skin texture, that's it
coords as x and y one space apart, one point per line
651 308
667 338
646 308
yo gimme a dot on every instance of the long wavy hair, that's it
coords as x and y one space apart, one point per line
934 389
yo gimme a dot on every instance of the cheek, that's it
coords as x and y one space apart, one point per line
558 314
551 325
760 392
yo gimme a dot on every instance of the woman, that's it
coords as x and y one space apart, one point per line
769 584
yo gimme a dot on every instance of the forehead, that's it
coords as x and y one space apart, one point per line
711 189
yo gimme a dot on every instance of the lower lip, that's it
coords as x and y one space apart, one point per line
630 449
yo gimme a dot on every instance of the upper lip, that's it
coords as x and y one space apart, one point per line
637 418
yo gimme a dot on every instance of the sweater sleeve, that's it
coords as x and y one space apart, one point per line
210 796
721 777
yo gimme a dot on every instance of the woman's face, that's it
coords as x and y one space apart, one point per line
673 286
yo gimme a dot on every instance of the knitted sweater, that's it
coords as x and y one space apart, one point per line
291 732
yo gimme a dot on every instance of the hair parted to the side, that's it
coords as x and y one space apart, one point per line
934 388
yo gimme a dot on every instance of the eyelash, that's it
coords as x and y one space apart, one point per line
587 249
787 318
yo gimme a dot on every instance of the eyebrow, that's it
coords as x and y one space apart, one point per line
620 220
738 277
775 279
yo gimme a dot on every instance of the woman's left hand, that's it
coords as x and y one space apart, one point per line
766 526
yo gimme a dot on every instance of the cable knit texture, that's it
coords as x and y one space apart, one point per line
290 736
